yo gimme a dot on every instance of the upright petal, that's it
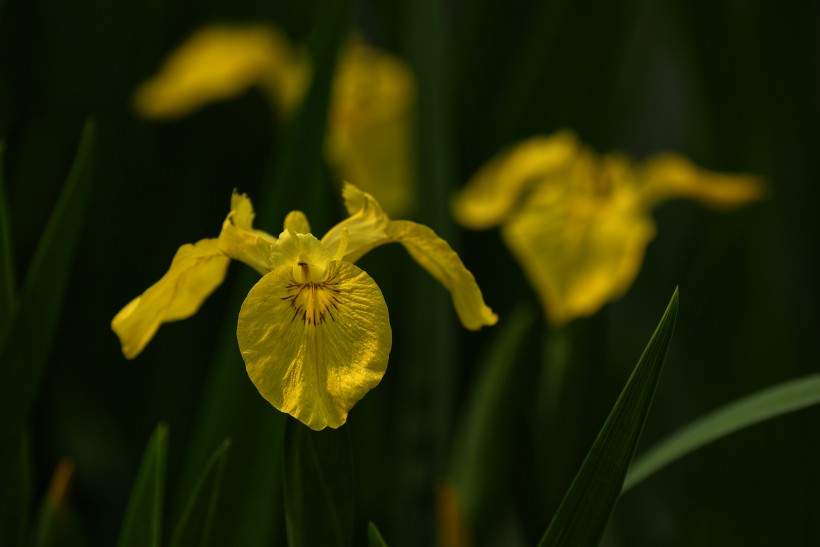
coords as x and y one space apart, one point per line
314 349
669 176
195 272
494 191
578 251
220 62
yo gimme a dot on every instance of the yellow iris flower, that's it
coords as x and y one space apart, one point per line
314 332
369 137
579 223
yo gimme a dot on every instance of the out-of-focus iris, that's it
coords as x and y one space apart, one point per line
579 223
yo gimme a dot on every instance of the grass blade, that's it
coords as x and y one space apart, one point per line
53 524
748 411
7 283
194 526
26 339
15 498
479 451
586 507
142 526
374 537
318 479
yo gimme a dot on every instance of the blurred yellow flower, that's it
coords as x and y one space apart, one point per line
314 331
579 223
369 137
220 62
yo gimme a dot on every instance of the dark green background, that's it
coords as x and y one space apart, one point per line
733 85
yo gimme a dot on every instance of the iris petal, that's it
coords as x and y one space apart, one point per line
579 252
493 192
220 62
314 350
668 176
195 272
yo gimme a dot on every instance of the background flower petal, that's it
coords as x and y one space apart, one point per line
578 252
669 176
493 192
219 62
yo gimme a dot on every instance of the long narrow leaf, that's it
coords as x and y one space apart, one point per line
586 507
27 338
478 453
374 537
142 526
15 498
194 526
748 411
53 520
7 283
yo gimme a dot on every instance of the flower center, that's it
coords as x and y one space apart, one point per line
312 302
305 272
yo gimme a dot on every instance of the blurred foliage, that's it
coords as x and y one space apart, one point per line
733 86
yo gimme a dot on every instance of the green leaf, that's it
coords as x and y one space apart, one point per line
194 526
25 342
479 453
8 293
318 480
748 411
15 498
142 526
586 507
374 537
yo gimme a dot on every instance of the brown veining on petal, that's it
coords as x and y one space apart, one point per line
313 303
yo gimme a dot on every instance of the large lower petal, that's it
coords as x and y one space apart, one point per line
195 272
579 252
314 349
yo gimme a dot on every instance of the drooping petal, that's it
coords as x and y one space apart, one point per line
370 126
314 349
578 251
440 260
220 62
494 191
195 272
669 176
